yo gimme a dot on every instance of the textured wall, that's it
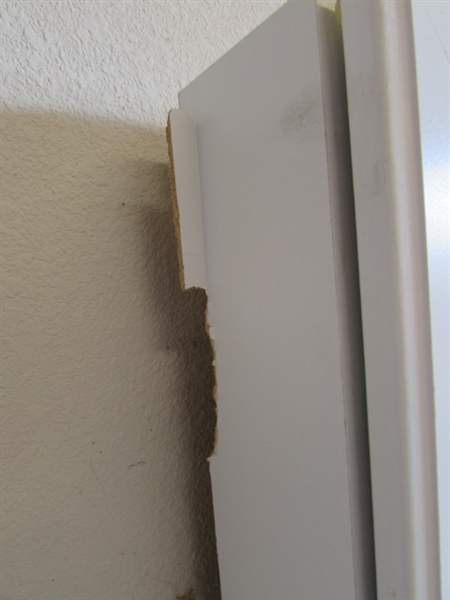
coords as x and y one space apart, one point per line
106 379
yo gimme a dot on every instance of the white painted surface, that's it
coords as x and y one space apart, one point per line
98 341
348 297
188 209
382 96
431 38
288 511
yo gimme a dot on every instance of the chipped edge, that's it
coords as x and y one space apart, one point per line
213 364
177 227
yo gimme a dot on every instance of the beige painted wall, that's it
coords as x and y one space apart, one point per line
106 367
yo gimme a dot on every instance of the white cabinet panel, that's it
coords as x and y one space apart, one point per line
301 511
290 472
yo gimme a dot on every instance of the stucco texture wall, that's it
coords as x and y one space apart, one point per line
106 399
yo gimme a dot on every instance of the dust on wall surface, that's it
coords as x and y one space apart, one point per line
105 360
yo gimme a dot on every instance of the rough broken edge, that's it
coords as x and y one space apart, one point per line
178 225
214 390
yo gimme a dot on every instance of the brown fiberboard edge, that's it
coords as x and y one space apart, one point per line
177 227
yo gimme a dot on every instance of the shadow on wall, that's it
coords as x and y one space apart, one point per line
103 352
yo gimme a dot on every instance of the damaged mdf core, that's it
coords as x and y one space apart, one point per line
209 419
200 361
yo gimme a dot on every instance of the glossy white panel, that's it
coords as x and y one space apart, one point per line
383 112
287 506
431 37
